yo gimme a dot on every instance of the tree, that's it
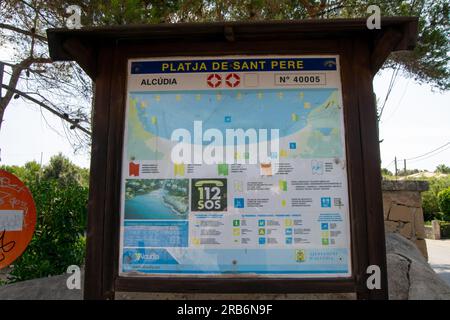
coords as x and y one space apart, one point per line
61 88
28 173
429 61
61 169
65 89
442 168
386 172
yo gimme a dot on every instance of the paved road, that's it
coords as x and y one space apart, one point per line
439 257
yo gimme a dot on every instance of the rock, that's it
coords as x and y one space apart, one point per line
407 267
425 284
51 288
391 226
396 244
406 230
422 246
398 268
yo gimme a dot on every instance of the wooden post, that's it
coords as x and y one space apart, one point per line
396 170
2 69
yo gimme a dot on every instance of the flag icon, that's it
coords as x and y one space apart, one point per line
222 169
178 169
133 169
238 186
266 169
283 185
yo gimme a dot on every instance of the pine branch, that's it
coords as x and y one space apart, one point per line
74 123
21 31
15 76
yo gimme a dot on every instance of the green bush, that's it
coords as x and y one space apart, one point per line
58 241
444 203
430 202
61 205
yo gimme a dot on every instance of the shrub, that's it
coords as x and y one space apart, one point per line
445 229
430 202
444 203
58 241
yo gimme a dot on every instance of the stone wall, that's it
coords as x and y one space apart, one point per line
403 213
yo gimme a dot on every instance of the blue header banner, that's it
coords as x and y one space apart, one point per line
233 65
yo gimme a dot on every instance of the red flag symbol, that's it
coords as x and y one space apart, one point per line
134 169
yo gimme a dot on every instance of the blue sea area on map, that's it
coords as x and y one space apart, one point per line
281 109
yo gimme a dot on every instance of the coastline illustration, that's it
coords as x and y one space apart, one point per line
156 199
310 118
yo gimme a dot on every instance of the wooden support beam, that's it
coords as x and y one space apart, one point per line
2 68
229 33
86 56
383 46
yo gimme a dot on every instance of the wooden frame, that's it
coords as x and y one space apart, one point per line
104 53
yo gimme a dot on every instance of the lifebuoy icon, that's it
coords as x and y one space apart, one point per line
233 80
214 80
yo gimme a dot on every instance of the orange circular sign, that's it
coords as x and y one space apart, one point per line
17 218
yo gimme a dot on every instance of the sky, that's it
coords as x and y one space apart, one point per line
416 120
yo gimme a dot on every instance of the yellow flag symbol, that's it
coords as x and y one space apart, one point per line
178 169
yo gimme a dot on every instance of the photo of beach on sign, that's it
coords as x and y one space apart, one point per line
160 199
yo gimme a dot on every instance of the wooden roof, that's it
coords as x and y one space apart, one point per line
396 33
